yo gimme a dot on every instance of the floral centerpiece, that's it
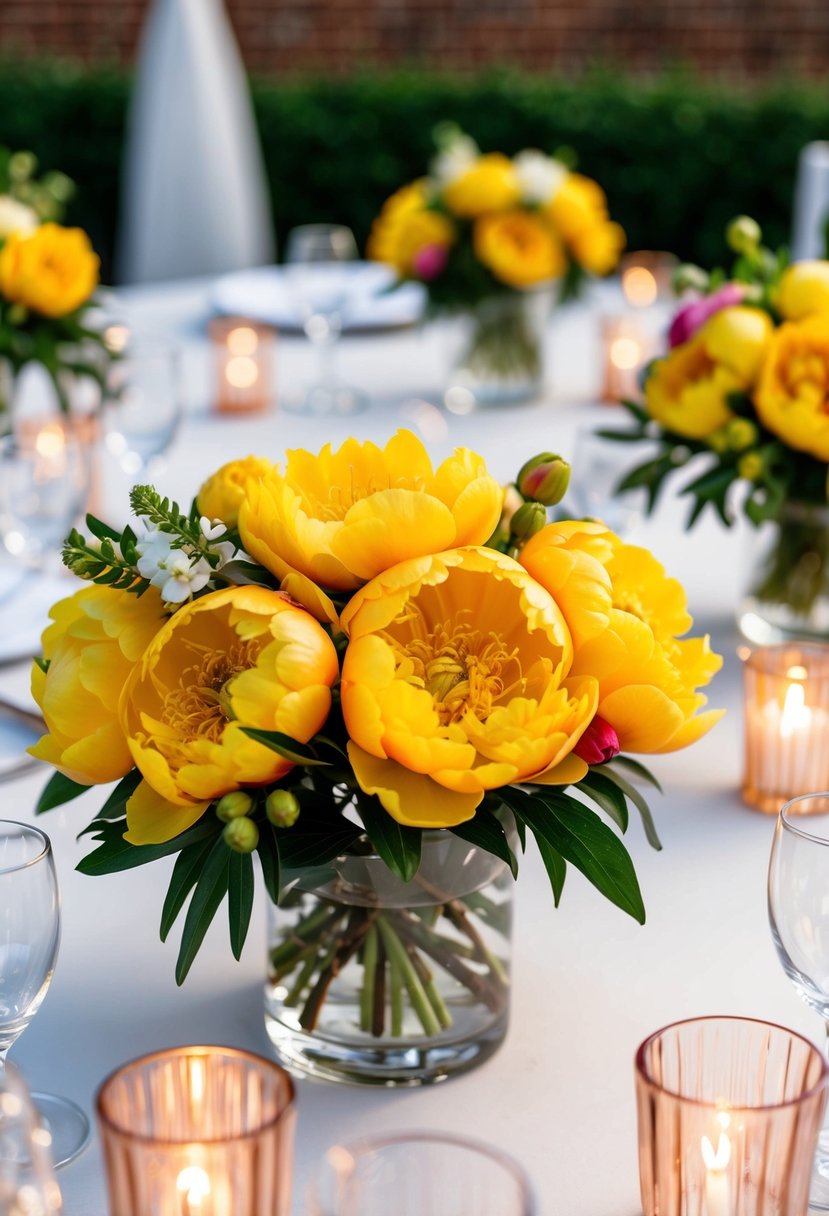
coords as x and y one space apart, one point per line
744 385
381 681
48 274
489 235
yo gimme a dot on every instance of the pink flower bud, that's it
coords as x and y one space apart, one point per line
694 315
430 261
599 743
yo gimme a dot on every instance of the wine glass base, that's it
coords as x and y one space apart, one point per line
67 1125
338 400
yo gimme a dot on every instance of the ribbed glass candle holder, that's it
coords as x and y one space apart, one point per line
198 1131
786 691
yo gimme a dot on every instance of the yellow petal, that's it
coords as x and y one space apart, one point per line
410 798
152 820
643 716
567 772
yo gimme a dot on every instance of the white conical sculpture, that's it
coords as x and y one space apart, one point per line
811 203
195 198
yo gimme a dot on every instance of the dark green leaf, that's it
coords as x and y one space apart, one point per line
638 800
398 846
117 854
113 808
607 795
239 900
297 753
488 833
555 866
637 768
58 790
314 842
186 871
586 842
209 893
268 850
103 531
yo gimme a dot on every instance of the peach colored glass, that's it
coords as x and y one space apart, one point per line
244 361
198 1131
786 704
729 1111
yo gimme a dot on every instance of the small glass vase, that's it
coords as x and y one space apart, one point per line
501 355
787 592
376 981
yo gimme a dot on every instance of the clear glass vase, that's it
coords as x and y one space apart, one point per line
377 981
787 593
500 359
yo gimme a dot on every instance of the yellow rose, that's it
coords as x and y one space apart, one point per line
793 389
626 617
456 681
221 496
597 248
688 390
340 518
577 206
245 656
519 248
97 637
405 227
491 184
803 290
52 271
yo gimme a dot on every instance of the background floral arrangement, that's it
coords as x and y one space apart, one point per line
331 658
482 224
48 275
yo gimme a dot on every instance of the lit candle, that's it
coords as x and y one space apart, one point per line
717 1189
244 365
626 350
193 1186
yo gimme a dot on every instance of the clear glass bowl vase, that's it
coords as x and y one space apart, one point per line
372 980
499 358
787 588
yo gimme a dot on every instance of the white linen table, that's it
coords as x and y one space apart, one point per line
589 983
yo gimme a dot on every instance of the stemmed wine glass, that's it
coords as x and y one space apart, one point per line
29 939
44 482
143 406
27 1183
317 258
799 917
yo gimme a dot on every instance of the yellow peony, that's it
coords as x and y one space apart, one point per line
405 227
456 681
491 184
688 390
97 637
519 248
243 656
792 395
577 206
223 493
340 518
52 270
597 248
626 618
803 290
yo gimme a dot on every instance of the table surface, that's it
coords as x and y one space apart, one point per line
589 984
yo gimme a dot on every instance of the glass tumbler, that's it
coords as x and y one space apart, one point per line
198 1131
729 1111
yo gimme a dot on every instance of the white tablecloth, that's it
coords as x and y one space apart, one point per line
589 984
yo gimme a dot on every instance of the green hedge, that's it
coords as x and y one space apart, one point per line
677 157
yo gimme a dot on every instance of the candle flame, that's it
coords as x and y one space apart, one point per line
640 286
241 371
795 711
716 1159
625 353
50 441
797 673
194 1184
242 341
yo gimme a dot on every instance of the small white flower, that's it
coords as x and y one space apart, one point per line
15 217
454 160
184 578
156 552
226 550
539 176
212 529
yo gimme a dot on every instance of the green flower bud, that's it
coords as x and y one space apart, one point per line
234 806
688 277
743 234
241 835
751 466
527 520
21 166
544 479
282 808
742 433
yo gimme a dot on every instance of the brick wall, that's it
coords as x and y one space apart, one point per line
733 38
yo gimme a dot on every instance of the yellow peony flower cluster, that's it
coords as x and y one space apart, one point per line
525 220
51 270
461 669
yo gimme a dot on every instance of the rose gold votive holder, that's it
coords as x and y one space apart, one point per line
786 723
243 355
729 1111
198 1131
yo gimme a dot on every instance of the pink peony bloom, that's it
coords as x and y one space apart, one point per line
430 261
599 743
689 319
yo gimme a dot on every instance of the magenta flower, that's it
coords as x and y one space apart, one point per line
430 261
690 318
599 743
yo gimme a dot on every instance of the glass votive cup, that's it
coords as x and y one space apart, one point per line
786 723
243 356
198 1131
729 1111
418 1172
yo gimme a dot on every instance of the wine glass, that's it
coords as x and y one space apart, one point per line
799 916
29 938
44 483
143 406
317 258
27 1183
